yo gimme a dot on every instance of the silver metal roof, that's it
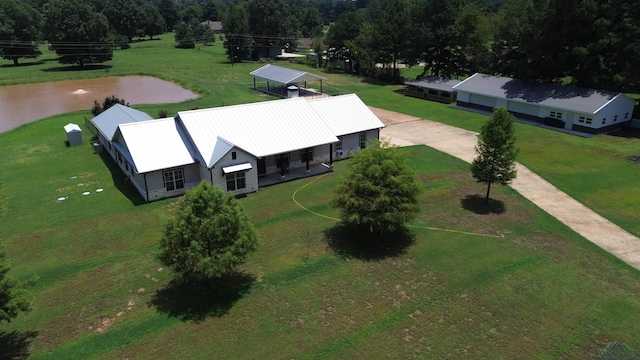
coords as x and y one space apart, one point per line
434 82
154 145
556 96
345 114
261 129
284 75
107 122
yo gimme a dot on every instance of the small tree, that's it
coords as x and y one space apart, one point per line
209 236
14 297
381 192
496 150
108 102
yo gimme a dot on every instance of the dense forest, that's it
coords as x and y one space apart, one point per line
589 43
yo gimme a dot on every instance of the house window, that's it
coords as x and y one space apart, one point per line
339 144
589 120
363 140
127 166
583 119
119 158
626 116
173 179
555 115
109 146
303 155
234 155
604 120
433 92
236 181
615 118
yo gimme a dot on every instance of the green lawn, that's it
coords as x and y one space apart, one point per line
506 282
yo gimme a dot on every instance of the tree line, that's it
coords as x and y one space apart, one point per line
589 43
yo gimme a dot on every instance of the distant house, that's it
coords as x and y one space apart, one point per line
241 147
216 26
304 44
568 107
432 88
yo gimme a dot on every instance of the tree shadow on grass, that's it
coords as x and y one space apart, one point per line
350 241
194 300
14 345
476 204
77 68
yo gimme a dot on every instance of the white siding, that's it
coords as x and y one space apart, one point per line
251 176
620 106
482 100
463 96
524 108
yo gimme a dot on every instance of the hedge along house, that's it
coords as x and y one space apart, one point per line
568 107
278 79
432 88
242 147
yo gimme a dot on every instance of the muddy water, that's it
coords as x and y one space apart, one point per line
21 104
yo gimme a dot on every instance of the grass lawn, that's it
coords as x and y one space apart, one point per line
470 281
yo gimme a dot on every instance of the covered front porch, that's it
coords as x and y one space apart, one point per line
294 174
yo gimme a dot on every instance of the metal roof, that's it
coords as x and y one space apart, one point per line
283 75
154 145
107 122
345 114
71 127
434 82
556 96
261 129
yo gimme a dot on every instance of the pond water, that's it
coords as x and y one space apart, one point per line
21 104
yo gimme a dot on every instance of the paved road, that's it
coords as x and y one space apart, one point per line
404 130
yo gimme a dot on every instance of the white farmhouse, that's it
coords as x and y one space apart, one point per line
238 148
568 107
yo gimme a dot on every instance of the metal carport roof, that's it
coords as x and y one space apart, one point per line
283 75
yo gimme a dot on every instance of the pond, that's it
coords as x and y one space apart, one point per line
21 104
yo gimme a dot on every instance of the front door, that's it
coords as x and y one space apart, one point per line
262 167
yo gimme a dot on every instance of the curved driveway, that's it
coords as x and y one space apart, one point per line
405 130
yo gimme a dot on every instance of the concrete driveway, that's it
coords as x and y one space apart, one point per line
404 130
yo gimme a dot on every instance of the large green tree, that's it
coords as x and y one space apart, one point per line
125 17
496 159
77 33
238 43
209 237
380 193
169 12
19 30
153 23
14 297
394 29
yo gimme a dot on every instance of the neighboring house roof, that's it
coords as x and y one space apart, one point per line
213 25
345 114
107 122
284 75
434 82
550 95
261 129
153 145
304 43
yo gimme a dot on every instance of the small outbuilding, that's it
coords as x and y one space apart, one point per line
74 134
433 88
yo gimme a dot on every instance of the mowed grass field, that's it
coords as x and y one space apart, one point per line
469 281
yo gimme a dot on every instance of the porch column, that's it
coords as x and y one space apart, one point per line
331 154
